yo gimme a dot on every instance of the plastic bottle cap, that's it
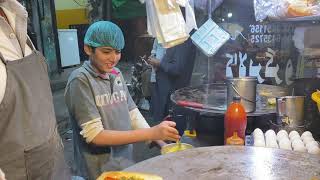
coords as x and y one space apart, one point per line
235 140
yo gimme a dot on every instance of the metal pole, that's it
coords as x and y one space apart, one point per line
106 9
209 17
55 34
209 9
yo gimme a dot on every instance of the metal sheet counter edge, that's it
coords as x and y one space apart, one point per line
232 162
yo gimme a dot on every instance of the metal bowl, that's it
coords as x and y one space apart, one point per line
174 147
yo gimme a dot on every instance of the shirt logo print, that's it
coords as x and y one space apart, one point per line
110 99
118 81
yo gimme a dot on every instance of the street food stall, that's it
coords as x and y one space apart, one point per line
271 61
281 51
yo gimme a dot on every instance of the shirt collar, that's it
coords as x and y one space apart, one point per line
87 65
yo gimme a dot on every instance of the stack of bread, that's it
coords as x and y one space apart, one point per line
298 8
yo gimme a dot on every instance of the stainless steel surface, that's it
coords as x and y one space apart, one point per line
246 88
215 95
290 110
232 162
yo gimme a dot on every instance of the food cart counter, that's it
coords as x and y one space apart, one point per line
232 162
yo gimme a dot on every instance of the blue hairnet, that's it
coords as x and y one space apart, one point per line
104 33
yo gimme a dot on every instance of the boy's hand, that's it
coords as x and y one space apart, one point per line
158 143
165 131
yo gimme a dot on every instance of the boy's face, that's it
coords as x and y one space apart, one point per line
103 58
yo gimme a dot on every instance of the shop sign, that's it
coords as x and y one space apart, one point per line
271 70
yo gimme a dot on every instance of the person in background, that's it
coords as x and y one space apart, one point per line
30 146
157 53
104 117
172 72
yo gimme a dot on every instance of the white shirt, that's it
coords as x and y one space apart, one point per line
158 51
12 44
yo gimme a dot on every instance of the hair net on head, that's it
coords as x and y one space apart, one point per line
104 33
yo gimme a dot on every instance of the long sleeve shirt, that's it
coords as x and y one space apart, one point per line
13 37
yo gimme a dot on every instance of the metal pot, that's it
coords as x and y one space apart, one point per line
290 110
246 88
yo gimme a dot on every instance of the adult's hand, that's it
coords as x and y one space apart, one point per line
155 63
165 131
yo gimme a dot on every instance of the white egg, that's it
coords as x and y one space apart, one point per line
282 133
281 137
308 139
300 148
272 144
271 138
258 136
295 137
257 132
259 143
297 142
314 150
292 133
285 144
312 143
305 134
270 132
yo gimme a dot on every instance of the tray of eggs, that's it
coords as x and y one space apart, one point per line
284 140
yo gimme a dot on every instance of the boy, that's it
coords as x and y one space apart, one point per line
102 111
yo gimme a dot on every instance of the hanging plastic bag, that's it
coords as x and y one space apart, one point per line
284 9
270 8
166 22
190 17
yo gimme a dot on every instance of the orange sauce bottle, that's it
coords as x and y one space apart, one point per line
235 120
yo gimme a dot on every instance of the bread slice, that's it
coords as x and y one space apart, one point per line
122 175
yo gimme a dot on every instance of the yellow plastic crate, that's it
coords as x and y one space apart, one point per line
316 97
